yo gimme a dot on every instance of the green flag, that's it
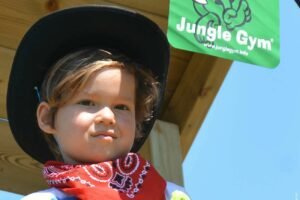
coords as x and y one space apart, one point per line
243 30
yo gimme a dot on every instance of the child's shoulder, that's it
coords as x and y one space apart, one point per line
48 194
174 192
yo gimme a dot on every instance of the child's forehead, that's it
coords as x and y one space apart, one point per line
110 81
94 95
107 75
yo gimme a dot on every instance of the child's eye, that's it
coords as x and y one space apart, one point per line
121 107
86 103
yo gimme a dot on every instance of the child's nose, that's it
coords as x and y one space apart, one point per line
106 116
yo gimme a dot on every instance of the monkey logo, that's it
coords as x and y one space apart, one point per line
228 13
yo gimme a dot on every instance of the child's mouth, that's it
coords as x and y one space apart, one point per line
109 135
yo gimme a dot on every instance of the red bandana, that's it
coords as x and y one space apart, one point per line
130 177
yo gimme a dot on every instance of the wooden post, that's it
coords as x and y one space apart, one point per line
166 151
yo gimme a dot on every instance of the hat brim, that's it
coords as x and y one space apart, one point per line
63 31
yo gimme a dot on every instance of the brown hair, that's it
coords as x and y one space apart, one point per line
70 74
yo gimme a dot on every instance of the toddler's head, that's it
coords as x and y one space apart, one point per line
87 79
81 85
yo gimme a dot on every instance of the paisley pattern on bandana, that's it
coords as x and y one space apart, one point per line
129 177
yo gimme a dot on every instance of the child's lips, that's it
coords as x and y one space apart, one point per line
104 134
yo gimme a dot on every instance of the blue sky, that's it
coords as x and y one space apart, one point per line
9 196
248 147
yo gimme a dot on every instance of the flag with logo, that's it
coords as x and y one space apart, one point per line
243 30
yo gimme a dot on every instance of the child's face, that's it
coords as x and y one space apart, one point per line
98 123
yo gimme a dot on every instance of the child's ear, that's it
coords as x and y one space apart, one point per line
44 118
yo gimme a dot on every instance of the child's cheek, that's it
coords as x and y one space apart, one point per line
85 117
82 120
126 120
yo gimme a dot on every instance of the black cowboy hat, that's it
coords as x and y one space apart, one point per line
63 31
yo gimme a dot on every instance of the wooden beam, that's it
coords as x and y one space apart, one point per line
203 103
6 57
17 16
166 151
18 172
157 7
145 151
194 95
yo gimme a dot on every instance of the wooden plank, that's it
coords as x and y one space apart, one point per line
188 89
203 102
145 151
17 16
156 7
181 54
18 172
176 69
133 5
166 151
6 57
201 79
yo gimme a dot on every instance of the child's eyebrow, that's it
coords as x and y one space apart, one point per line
92 95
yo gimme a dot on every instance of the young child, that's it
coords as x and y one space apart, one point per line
84 91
